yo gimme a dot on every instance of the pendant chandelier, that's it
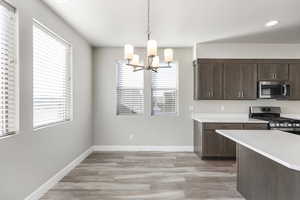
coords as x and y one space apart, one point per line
152 59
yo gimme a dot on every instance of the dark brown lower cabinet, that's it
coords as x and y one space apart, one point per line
210 145
260 178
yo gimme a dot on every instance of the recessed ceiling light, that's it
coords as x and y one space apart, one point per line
271 23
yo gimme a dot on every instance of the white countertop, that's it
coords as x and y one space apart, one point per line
279 146
224 118
292 116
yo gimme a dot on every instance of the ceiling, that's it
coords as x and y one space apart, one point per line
180 23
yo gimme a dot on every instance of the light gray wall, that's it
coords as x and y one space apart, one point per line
245 50
110 129
29 159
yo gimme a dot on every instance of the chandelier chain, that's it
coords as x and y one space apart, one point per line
148 19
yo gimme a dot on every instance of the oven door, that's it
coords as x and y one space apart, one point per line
273 90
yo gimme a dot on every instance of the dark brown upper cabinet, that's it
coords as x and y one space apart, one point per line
240 81
210 81
196 81
294 81
273 72
236 79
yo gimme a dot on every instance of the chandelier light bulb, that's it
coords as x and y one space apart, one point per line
169 55
152 48
151 61
128 52
135 59
155 62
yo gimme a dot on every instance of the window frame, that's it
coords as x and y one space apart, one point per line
11 5
176 113
118 65
56 36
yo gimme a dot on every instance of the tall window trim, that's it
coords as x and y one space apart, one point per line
69 75
176 89
12 114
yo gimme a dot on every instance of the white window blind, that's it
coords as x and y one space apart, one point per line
130 91
164 91
8 71
52 95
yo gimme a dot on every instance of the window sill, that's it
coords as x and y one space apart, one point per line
51 125
9 136
165 114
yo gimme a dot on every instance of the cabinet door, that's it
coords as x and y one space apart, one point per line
228 148
249 81
211 81
294 81
232 81
212 144
276 72
196 81
217 82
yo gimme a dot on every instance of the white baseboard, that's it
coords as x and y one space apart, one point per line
43 189
37 194
144 148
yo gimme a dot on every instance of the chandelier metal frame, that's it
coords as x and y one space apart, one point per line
152 60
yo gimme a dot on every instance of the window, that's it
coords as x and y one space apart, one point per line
130 91
8 70
52 94
164 91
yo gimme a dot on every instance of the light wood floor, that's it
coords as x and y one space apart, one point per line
147 175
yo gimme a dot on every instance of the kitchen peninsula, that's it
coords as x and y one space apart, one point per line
268 163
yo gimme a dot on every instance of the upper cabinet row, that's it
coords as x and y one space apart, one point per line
235 79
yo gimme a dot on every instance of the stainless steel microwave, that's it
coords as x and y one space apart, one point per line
273 90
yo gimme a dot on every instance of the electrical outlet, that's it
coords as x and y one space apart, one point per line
131 136
222 107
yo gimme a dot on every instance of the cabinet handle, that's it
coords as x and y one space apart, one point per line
209 93
242 93
239 95
275 76
212 93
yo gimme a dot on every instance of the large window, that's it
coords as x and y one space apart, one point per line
8 70
52 94
130 91
164 91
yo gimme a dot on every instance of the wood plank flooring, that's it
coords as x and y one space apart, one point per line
147 176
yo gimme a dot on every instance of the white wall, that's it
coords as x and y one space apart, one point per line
110 129
245 50
30 158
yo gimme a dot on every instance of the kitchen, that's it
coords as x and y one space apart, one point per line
252 138
148 99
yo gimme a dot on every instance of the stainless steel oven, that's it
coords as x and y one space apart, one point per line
273 90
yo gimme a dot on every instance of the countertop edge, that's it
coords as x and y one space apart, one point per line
292 167
230 121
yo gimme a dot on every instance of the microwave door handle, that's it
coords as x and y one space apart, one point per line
285 90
